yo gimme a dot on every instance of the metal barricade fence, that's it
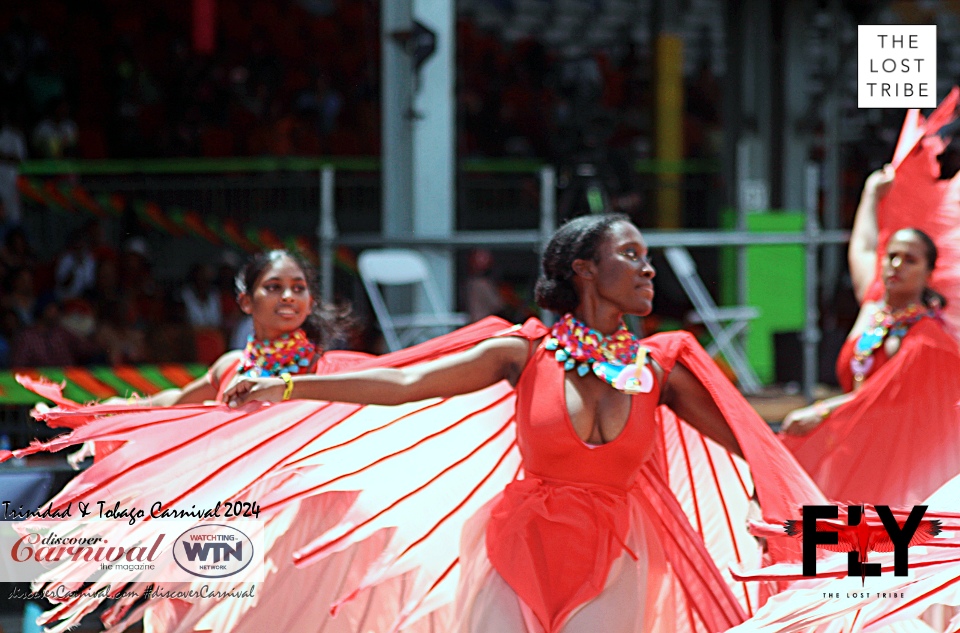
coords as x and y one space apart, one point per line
512 208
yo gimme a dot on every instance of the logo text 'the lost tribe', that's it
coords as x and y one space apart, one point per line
820 528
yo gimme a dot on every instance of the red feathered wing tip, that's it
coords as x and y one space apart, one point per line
846 541
880 540
925 531
919 199
47 389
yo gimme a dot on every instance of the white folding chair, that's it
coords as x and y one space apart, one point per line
403 267
724 323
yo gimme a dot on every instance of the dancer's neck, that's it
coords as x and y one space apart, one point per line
896 303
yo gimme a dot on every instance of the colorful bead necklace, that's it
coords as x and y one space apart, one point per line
618 359
885 322
292 353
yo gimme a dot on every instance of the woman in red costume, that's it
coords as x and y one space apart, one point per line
579 543
893 438
277 290
541 479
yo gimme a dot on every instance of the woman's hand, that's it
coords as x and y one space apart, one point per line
246 389
755 515
878 183
801 421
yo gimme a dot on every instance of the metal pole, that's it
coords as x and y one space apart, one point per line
327 231
531 239
548 204
548 217
811 328
833 115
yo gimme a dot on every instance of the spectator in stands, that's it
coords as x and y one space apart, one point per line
123 343
76 269
9 325
45 84
19 294
293 133
5 226
47 343
15 252
79 317
55 136
106 287
322 101
482 294
13 151
20 48
201 300
134 87
25 43
138 283
256 100
229 310
102 248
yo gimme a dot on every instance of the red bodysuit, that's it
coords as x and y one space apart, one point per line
554 535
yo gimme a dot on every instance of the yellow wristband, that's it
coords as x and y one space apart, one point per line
821 409
288 381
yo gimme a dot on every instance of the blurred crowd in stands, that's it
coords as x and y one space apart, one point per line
108 78
98 303
95 303
114 79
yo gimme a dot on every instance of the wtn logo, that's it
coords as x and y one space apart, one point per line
857 537
213 551
201 550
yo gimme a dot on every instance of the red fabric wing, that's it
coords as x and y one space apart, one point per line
860 452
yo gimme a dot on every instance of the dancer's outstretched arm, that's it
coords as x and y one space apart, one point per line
806 419
202 389
489 362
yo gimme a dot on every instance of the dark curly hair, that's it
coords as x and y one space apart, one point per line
931 298
577 239
326 323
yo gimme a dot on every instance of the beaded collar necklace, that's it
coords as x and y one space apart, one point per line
885 322
292 353
618 359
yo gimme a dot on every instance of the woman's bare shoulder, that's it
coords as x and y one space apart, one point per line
513 353
225 362
513 349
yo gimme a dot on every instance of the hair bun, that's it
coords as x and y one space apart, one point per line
556 295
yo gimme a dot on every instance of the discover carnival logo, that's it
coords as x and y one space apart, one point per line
109 551
213 551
